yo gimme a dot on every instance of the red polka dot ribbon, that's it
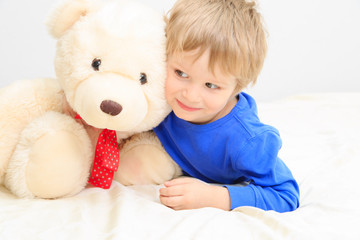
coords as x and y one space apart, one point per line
106 160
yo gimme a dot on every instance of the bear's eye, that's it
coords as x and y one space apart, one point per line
143 78
96 64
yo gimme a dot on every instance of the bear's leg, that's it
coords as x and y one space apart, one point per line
52 159
143 160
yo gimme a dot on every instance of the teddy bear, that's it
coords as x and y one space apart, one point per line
110 69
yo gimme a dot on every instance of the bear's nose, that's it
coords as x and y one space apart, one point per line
110 107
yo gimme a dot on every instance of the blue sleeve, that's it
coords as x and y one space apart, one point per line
271 184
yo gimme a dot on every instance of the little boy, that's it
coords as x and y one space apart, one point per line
215 49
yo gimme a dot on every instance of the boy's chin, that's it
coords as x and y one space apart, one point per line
191 119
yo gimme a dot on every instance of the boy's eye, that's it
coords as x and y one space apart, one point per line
181 74
211 85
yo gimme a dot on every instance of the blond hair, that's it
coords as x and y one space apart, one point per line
231 29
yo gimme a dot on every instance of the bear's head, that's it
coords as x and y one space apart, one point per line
111 62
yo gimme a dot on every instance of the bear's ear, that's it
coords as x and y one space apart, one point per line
66 14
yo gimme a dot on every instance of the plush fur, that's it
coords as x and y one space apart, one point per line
45 153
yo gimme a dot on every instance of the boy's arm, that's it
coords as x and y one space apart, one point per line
282 198
271 184
190 193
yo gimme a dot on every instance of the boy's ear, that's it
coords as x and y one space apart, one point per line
66 14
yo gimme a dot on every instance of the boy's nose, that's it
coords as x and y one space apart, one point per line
192 94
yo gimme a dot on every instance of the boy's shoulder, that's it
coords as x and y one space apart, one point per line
249 134
246 115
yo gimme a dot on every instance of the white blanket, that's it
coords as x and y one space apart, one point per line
321 145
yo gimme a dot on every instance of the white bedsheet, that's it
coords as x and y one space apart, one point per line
321 145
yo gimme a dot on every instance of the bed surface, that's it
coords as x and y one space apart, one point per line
321 145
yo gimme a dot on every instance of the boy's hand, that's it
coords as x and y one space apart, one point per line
189 193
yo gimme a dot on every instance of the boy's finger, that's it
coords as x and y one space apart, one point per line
176 190
163 192
172 202
177 181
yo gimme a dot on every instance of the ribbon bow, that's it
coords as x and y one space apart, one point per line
106 160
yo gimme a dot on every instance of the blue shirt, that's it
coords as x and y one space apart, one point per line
235 149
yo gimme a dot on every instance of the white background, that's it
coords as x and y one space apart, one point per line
314 45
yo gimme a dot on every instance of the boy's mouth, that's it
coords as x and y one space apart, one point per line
186 108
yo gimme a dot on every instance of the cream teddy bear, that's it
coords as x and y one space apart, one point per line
110 67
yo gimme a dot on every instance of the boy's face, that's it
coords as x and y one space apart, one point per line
194 93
